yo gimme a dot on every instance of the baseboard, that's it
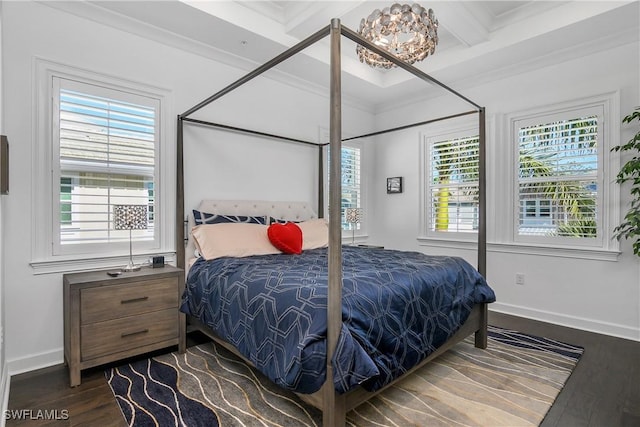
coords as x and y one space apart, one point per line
33 362
606 328
5 384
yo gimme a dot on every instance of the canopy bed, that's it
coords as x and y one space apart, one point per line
329 395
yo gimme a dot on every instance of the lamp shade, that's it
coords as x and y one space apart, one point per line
353 215
130 217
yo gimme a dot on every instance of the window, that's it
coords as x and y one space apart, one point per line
105 150
351 182
559 176
452 186
550 181
99 141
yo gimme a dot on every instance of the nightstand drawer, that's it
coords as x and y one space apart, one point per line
112 302
100 339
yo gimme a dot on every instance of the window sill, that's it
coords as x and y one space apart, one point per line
519 248
360 238
595 254
67 265
448 243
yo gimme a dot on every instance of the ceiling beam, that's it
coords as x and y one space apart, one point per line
467 23
301 16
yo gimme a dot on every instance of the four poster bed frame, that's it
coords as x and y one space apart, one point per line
334 406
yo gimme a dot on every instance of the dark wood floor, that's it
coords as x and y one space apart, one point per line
603 390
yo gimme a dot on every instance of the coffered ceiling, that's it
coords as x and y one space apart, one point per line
480 41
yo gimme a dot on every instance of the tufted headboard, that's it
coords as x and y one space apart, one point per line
290 211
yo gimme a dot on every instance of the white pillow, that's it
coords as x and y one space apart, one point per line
232 239
315 233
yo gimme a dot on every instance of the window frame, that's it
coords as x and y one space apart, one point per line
60 83
361 231
608 197
355 145
502 184
426 150
44 258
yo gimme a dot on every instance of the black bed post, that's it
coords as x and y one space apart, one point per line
180 196
333 408
481 334
320 182
482 193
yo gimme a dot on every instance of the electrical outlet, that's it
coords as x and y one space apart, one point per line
519 279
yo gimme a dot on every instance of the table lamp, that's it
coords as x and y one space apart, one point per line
353 217
130 217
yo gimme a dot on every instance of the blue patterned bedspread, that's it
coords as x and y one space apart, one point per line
398 307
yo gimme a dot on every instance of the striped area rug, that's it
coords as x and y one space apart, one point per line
513 382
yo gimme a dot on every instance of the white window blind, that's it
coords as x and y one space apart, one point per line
558 178
107 142
351 184
453 186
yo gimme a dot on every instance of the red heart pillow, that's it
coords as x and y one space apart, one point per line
286 237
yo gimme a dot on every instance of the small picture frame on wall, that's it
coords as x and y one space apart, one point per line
394 185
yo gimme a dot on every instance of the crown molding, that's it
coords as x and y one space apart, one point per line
104 16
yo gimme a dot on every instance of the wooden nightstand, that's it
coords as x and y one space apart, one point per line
111 318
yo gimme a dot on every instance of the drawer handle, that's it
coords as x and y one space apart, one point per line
127 301
128 334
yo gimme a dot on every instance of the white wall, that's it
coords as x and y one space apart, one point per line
4 380
602 296
234 166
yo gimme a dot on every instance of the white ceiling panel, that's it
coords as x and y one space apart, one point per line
479 40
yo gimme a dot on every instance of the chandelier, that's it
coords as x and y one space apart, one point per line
408 32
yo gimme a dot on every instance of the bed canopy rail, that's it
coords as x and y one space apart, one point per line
292 51
425 122
249 131
352 35
334 406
